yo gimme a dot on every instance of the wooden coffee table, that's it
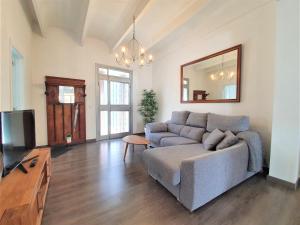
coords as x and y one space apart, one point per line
134 140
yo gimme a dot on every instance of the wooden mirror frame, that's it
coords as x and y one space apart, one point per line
238 73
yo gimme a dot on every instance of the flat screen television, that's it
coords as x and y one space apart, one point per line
17 137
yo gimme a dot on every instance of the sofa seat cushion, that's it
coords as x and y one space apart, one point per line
156 137
169 141
165 162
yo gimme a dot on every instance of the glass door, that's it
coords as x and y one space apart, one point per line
114 101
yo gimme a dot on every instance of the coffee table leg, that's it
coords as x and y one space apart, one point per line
146 146
126 147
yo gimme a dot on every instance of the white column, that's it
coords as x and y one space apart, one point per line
285 145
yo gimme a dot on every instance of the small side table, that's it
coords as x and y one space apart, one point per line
134 140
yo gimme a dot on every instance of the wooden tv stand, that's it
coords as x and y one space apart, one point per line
23 196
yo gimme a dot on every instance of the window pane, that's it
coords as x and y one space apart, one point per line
118 73
103 92
102 71
119 93
103 123
185 94
119 122
229 91
66 94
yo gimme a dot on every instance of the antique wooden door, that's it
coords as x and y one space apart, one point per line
65 110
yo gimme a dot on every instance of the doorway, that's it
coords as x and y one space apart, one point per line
114 104
17 80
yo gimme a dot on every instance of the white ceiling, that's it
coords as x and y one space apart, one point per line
111 20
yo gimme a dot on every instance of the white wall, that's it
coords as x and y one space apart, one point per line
59 55
284 162
211 31
15 32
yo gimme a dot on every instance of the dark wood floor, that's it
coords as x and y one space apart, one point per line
92 186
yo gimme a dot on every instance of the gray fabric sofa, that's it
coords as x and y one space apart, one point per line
191 173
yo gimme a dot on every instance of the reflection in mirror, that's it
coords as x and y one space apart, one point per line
214 78
66 94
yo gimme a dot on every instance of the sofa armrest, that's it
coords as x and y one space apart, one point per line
157 127
205 177
254 143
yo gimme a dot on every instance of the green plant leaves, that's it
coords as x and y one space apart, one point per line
148 106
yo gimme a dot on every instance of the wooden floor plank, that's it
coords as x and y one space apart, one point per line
91 185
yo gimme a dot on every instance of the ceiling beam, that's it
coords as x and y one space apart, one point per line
39 24
147 8
154 34
83 24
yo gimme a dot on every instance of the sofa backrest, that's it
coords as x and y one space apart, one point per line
179 117
233 123
209 121
197 120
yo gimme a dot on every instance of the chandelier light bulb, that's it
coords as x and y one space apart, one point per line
117 55
123 49
142 51
222 74
150 58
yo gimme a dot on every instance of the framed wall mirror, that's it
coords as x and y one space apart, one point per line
212 79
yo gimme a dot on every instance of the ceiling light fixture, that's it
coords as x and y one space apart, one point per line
133 53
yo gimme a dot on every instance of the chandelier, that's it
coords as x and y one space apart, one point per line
133 52
222 74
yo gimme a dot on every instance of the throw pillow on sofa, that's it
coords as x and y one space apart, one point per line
229 140
192 133
213 139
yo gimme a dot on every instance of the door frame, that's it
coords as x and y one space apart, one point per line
97 102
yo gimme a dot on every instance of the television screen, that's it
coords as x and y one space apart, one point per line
18 137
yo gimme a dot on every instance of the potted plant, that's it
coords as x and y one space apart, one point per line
148 106
69 138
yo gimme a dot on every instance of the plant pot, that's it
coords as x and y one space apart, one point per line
69 139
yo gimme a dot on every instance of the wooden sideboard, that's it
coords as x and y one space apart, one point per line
23 196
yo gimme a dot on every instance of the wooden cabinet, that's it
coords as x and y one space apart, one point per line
23 196
65 118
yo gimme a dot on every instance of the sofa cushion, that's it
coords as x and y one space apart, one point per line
229 140
192 133
213 139
174 128
233 123
169 141
157 127
179 117
197 120
165 162
204 137
156 137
